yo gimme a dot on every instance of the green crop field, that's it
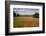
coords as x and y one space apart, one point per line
25 21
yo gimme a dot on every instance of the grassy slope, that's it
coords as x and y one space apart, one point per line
18 22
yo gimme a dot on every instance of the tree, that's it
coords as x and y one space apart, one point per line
14 14
36 15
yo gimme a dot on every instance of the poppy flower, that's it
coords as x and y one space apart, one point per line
27 21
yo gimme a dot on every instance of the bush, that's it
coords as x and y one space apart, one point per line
17 14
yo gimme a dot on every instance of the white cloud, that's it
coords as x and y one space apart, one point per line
25 11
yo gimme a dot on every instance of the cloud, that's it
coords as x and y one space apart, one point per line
25 11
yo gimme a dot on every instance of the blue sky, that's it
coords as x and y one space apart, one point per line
26 11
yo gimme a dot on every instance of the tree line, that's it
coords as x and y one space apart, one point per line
36 15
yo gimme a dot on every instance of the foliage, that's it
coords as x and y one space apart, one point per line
36 15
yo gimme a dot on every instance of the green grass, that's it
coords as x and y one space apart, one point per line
18 22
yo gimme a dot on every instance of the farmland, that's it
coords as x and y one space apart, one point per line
27 21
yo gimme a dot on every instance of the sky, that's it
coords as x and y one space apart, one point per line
25 11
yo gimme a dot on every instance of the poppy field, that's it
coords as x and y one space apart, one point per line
27 21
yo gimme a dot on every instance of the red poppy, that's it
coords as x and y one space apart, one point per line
27 21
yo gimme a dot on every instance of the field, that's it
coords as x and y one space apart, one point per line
27 21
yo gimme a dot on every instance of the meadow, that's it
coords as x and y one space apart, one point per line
27 21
